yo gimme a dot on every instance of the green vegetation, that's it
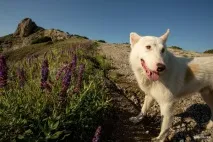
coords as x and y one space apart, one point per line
6 38
102 41
41 40
126 43
209 51
79 36
53 108
175 47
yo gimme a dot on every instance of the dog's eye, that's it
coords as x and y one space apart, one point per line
163 50
148 47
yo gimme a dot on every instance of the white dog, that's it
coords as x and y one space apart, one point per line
165 78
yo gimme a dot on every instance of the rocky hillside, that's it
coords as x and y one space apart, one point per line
27 31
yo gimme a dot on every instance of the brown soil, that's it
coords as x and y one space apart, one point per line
191 113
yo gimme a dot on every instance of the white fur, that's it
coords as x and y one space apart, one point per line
182 76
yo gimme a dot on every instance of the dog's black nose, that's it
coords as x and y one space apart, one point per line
160 67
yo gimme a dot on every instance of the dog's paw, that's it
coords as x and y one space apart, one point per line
137 118
160 139
157 139
209 125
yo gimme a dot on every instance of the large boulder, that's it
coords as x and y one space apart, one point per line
26 27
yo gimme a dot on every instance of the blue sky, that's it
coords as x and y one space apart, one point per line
190 21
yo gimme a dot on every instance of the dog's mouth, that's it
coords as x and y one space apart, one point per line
152 75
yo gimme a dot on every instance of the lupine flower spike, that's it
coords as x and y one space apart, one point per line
67 80
97 135
65 84
3 72
44 76
79 80
74 62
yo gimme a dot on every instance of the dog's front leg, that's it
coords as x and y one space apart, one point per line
167 116
147 104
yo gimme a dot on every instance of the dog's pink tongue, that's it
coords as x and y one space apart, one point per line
151 75
154 76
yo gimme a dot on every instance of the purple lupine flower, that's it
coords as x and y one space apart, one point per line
3 72
67 78
44 75
74 62
79 80
44 71
67 67
21 76
65 84
97 135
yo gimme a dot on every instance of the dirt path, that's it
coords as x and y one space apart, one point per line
190 113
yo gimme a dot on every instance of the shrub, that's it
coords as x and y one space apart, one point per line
41 40
126 43
79 36
102 41
175 47
209 51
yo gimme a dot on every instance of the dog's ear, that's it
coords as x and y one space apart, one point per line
134 38
165 36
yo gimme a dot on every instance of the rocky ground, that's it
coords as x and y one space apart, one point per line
191 113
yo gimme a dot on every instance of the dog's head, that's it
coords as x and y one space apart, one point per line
149 53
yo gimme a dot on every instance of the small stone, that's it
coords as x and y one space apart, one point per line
197 137
147 132
188 139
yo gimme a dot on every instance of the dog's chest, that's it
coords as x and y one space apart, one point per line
156 89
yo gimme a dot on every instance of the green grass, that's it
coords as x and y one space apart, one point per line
29 114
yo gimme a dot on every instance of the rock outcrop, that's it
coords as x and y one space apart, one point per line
27 32
56 34
26 27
